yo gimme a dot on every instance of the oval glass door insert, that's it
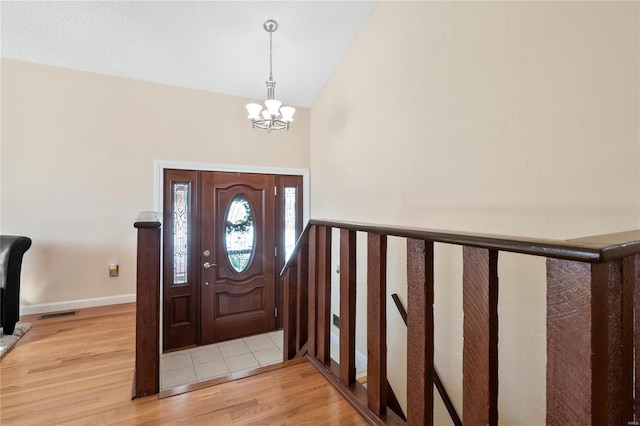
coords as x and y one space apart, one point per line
239 233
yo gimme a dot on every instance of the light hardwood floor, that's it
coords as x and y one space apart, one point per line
79 370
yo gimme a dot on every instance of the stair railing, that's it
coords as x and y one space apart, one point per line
593 285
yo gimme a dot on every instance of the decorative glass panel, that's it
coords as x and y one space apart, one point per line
181 195
290 200
240 234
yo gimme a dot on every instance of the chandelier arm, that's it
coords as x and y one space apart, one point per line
270 125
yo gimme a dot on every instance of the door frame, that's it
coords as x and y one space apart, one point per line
158 183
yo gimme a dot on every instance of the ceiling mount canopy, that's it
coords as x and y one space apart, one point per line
274 116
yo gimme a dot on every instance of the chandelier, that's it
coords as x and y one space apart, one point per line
275 116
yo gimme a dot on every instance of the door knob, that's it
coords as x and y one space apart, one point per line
208 265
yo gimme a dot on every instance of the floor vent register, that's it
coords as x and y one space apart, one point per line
58 315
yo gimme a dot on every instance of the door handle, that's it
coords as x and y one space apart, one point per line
208 265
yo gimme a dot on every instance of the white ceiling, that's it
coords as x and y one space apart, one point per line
218 46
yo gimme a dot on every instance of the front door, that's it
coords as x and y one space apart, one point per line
237 255
225 237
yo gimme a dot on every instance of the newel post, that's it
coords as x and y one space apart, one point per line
584 343
147 371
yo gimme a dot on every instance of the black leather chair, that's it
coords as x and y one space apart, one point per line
12 248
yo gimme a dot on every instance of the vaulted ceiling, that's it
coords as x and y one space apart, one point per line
218 46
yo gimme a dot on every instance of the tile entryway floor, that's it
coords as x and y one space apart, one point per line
211 361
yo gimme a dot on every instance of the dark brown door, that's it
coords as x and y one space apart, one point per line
237 255
203 305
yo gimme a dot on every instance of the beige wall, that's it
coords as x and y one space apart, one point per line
78 153
516 118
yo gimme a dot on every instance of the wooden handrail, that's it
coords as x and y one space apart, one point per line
591 286
593 249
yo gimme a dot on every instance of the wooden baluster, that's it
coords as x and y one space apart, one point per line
420 332
630 336
612 276
323 349
480 348
347 306
377 323
147 372
289 316
312 305
583 329
303 297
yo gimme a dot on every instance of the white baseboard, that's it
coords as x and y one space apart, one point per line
361 359
76 304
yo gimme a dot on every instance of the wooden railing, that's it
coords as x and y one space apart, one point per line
592 286
147 373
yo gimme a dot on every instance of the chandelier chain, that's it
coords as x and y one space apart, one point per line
270 56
